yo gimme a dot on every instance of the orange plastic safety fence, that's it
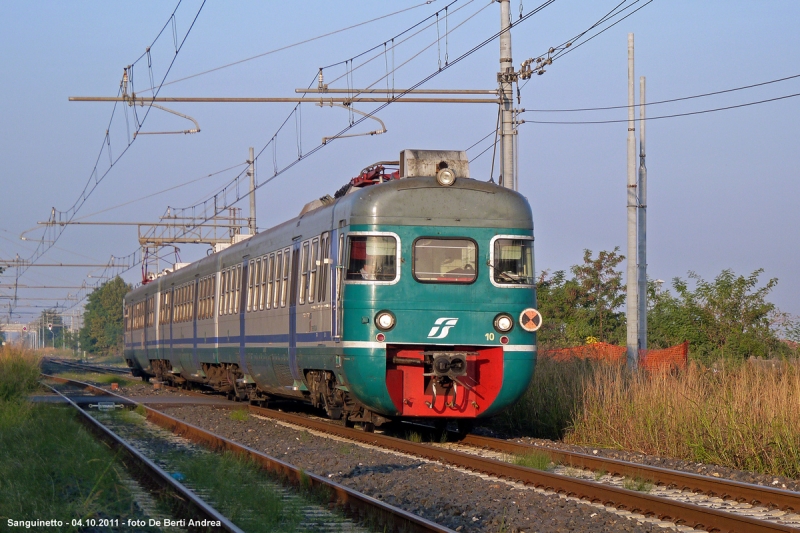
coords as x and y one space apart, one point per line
674 357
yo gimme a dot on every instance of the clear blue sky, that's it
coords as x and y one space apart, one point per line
723 187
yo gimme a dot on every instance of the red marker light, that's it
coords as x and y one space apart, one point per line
381 337
503 340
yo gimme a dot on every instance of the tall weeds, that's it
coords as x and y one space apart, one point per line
745 416
552 402
19 370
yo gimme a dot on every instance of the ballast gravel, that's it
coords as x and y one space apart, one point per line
722 472
458 500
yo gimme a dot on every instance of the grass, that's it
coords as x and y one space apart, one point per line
744 416
239 490
413 436
239 415
535 460
51 467
551 403
102 379
19 372
638 484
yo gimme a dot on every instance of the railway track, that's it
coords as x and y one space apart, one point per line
185 504
353 503
683 513
103 369
467 454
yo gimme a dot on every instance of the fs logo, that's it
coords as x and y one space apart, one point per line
444 324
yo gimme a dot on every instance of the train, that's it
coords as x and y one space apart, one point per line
409 294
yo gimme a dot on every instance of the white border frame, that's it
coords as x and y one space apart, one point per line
373 234
491 263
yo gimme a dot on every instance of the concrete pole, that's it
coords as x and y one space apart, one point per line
251 171
642 226
632 315
505 79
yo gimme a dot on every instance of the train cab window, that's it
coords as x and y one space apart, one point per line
372 258
512 261
445 260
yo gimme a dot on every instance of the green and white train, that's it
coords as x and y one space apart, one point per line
409 295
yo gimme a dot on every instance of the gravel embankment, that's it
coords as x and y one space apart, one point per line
461 501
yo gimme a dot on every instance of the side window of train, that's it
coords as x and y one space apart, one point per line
239 295
266 302
303 273
372 258
230 287
322 265
312 267
251 271
257 290
286 270
222 276
262 281
278 277
192 291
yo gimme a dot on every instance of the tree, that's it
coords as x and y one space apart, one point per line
728 317
602 293
584 306
102 331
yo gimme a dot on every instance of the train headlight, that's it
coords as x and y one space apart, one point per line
384 320
530 319
503 323
446 177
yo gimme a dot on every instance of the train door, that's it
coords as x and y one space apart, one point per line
336 287
195 313
295 267
243 300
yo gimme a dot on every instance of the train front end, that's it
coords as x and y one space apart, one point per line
439 307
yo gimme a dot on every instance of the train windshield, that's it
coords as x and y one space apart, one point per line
513 261
444 260
372 258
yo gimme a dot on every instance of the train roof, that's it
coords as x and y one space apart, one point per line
422 201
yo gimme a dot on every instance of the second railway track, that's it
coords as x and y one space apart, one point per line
467 455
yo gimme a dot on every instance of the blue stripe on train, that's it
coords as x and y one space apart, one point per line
320 336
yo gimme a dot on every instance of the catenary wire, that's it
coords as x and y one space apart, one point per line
703 111
280 49
671 100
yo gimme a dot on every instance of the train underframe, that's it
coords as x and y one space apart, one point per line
324 391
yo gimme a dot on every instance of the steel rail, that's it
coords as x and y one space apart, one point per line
722 488
87 366
185 504
679 512
352 502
